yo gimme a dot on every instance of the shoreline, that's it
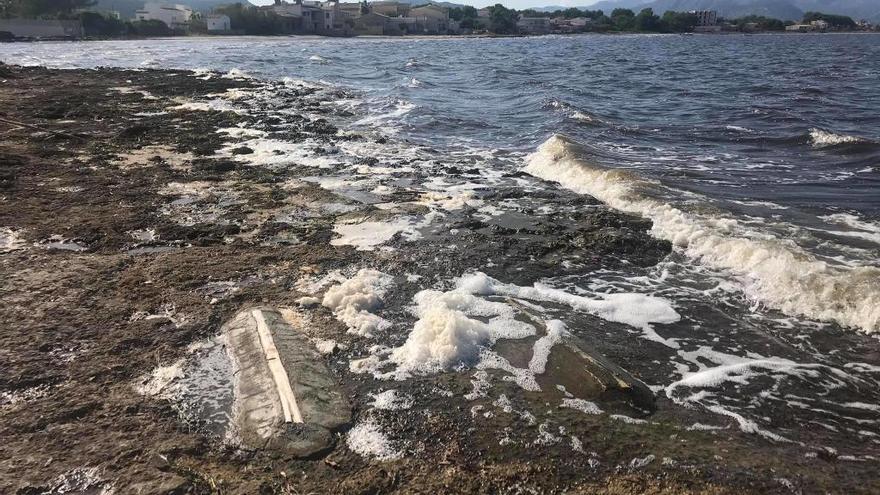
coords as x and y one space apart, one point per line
140 223
437 37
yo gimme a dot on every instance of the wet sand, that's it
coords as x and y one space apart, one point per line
126 240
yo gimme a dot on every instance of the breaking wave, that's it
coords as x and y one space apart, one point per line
775 272
825 139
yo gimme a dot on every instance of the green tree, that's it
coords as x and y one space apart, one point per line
254 21
462 13
97 26
646 21
840 21
623 19
502 20
571 13
535 13
150 28
761 23
678 22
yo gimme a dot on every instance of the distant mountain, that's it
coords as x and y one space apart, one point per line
554 8
857 9
781 9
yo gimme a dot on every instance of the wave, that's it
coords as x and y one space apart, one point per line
574 113
822 139
775 272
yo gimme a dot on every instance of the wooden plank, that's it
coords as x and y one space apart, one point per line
279 374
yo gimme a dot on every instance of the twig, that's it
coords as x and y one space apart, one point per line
41 129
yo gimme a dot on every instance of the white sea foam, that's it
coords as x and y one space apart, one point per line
214 105
274 152
822 139
458 327
365 236
353 300
391 400
447 332
160 382
861 229
637 310
581 405
700 387
399 109
368 440
241 132
775 272
10 240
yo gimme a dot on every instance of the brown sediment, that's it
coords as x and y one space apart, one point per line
79 329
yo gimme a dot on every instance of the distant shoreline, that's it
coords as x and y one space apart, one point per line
438 36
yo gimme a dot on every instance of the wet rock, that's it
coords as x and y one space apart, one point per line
165 483
320 126
5 71
242 150
133 132
286 399
218 166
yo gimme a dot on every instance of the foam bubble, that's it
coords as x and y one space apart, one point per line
353 300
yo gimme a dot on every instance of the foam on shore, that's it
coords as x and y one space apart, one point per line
774 271
353 300
459 327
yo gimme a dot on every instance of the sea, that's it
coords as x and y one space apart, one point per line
756 156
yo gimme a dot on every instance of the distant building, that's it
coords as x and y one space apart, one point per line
303 17
174 16
434 18
391 9
705 17
533 25
574 25
800 28
819 25
218 23
707 21
372 23
41 28
353 9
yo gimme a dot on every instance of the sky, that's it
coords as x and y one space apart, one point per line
513 4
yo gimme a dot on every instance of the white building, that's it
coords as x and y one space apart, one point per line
174 16
218 23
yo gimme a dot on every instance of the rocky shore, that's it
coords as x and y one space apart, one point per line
143 210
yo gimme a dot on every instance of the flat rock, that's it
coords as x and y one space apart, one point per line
285 397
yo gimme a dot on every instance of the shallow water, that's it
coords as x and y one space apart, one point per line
758 157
